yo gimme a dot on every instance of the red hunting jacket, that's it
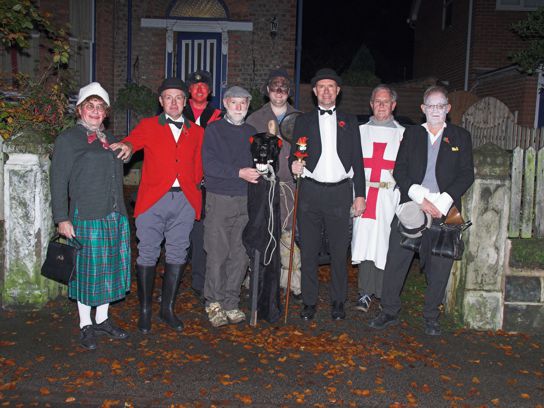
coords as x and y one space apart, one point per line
164 160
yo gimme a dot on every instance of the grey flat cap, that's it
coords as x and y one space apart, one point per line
236 92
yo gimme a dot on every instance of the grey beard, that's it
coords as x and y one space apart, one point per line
229 119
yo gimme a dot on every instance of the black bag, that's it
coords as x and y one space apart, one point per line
60 263
447 241
413 244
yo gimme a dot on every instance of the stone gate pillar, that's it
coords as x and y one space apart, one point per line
483 266
28 225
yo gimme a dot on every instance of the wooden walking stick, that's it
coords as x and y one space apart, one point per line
300 155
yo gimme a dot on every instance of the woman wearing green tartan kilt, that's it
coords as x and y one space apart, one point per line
88 204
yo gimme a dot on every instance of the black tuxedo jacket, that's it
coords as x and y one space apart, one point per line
454 164
348 145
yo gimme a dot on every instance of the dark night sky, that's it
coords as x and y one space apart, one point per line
334 30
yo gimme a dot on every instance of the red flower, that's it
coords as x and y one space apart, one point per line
251 140
280 143
300 155
341 123
446 140
302 142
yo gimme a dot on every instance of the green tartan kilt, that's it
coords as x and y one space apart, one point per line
103 264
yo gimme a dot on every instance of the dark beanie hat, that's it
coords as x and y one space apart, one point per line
326 73
173 83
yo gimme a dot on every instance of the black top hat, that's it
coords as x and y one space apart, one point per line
173 83
200 76
326 73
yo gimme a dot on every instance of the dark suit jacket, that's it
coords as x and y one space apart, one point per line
454 164
348 145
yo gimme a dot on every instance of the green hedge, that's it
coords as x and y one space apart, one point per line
527 253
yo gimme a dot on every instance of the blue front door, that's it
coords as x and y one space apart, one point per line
200 51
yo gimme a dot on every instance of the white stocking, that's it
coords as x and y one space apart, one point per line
84 314
101 313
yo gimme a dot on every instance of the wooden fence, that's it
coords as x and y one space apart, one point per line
527 199
490 121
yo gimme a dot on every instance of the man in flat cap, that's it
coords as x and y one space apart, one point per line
228 168
200 111
169 197
332 176
278 90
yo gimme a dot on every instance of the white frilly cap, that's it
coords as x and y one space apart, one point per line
94 88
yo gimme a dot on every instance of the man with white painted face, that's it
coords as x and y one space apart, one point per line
227 161
434 168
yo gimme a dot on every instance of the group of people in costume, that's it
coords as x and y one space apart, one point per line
201 192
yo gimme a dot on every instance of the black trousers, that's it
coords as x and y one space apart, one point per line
437 271
329 206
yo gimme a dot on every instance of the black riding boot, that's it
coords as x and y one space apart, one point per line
145 279
170 283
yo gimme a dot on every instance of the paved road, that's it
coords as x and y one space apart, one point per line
319 364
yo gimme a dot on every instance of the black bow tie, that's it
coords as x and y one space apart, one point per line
323 111
173 122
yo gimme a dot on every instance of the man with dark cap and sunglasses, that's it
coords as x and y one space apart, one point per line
278 90
168 198
200 111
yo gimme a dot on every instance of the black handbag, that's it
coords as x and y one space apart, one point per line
447 241
60 262
413 244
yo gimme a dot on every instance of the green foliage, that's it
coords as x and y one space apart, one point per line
19 18
531 30
138 98
257 100
527 253
42 105
361 69
360 78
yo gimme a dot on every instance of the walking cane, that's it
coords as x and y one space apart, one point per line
300 154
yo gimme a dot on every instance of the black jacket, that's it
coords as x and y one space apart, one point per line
348 145
454 164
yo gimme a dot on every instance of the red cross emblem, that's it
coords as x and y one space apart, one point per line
376 164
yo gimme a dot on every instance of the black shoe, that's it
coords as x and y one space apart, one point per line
297 298
338 312
382 321
170 283
145 277
199 295
87 339
106 327
308 312
432 327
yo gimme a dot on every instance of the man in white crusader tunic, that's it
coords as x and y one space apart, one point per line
380 140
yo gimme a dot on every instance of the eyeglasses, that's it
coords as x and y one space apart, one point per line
89 106
439 107
279 89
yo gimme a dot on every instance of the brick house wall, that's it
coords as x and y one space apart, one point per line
442 53
517 91
437 52
251 54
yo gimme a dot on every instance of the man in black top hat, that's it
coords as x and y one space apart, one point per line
332 176
200 111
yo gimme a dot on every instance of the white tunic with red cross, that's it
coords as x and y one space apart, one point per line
370 240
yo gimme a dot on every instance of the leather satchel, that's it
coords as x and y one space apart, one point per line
60 262
447 240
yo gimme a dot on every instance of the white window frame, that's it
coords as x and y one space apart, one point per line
512 7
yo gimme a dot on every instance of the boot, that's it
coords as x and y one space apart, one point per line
146 280
170 283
